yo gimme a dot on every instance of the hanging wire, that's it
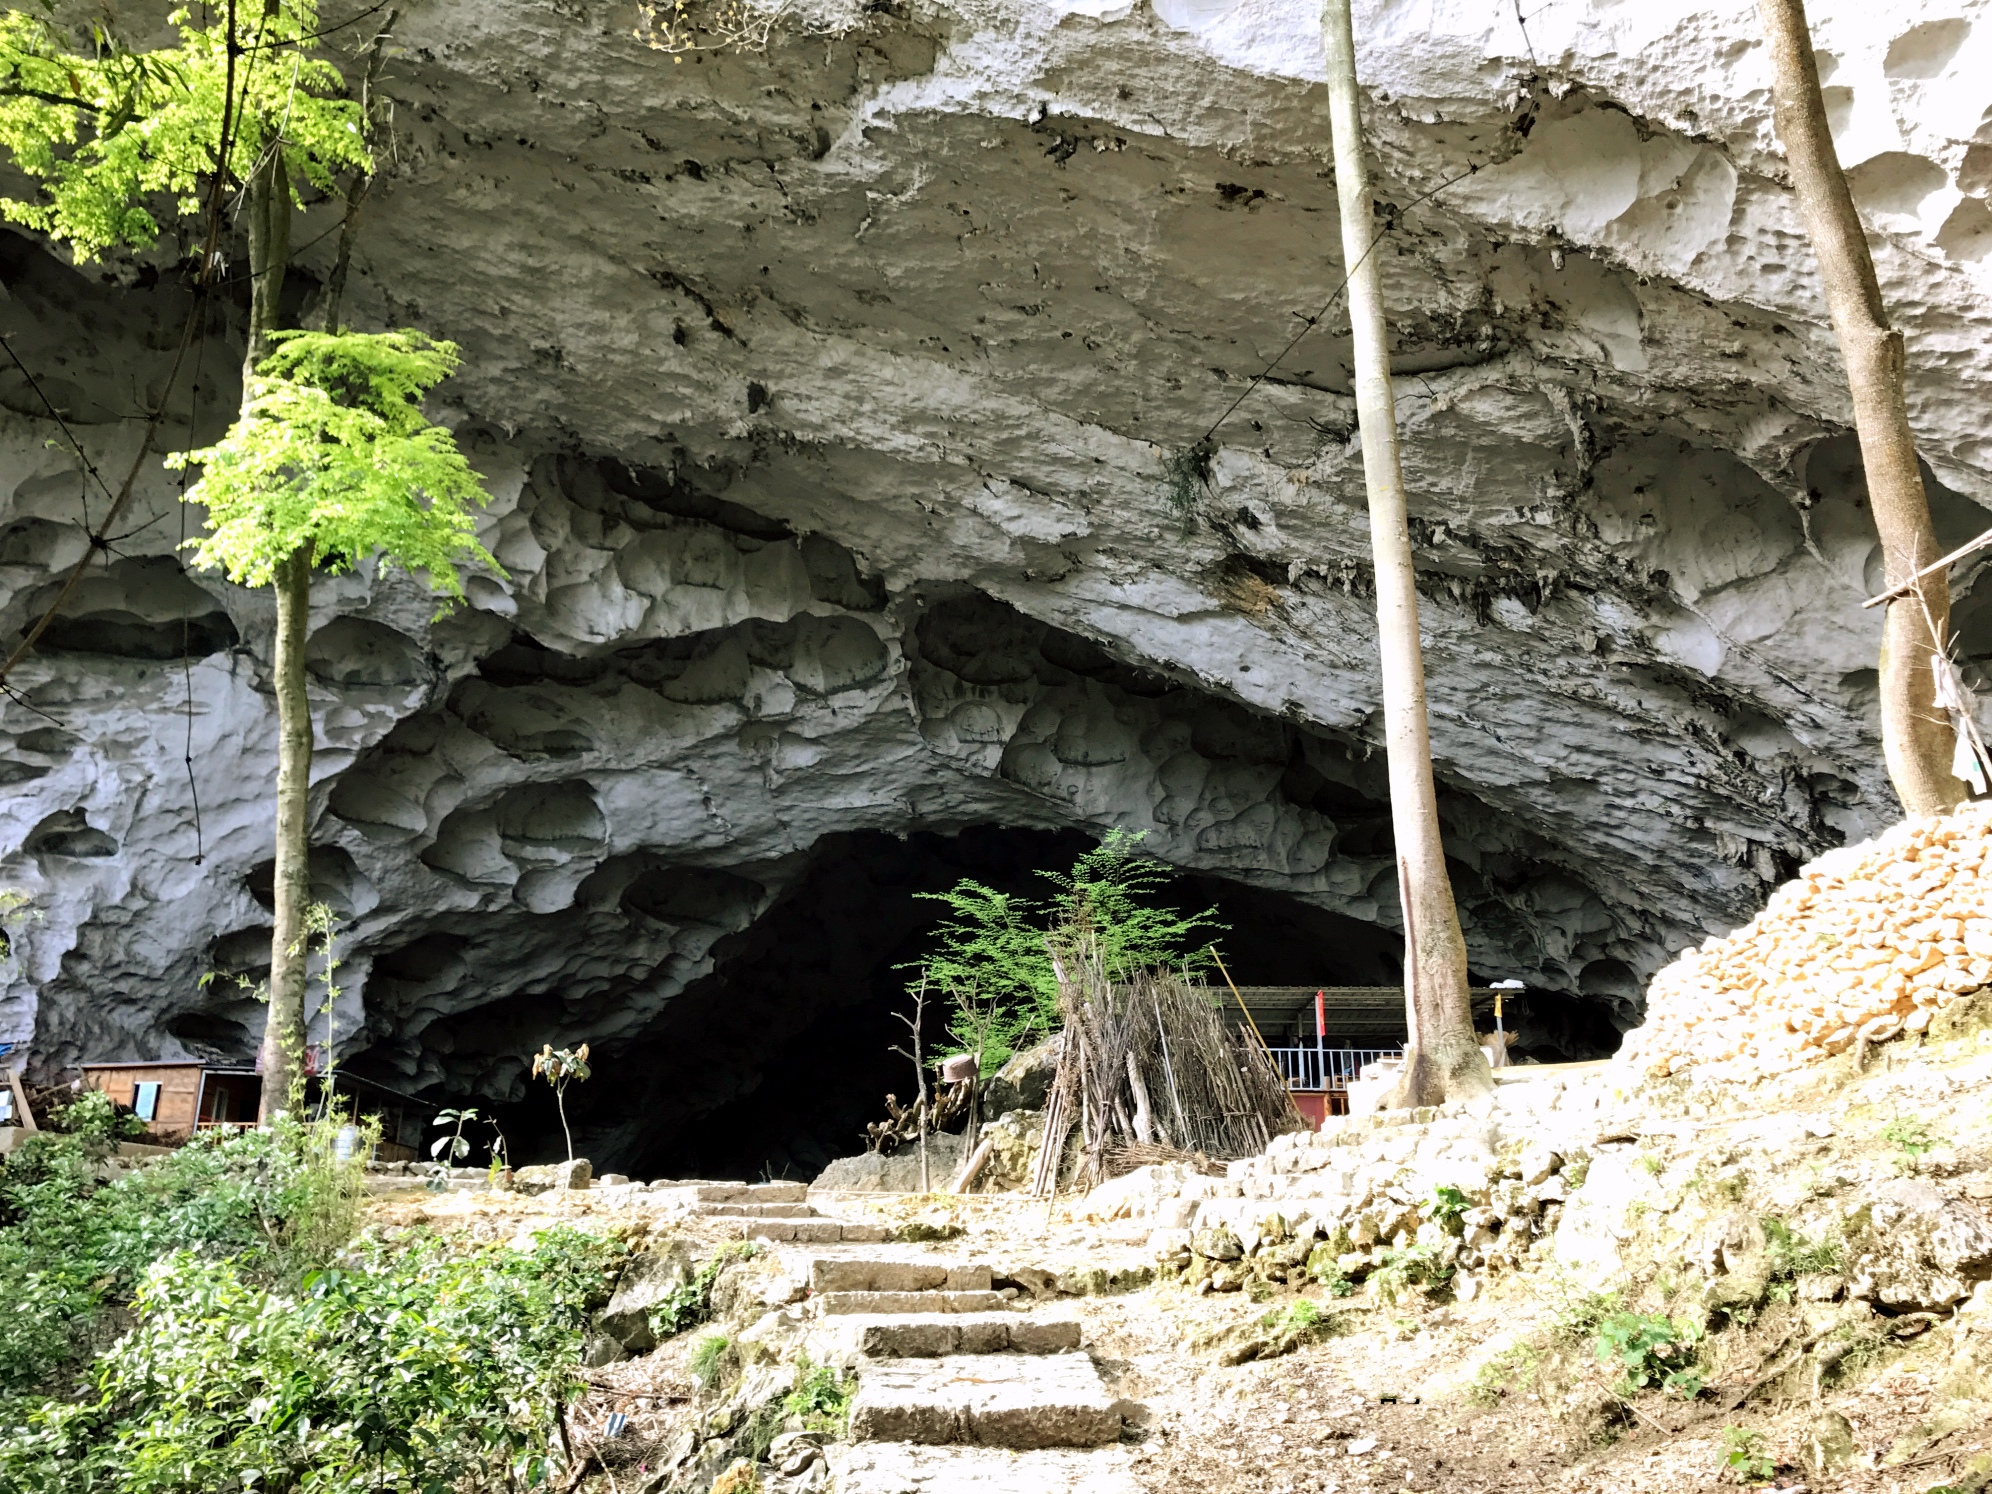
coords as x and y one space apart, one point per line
179 553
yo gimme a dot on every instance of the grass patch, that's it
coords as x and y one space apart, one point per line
707 1361
1744 1456
1514 1368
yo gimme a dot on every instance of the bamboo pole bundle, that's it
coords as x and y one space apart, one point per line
1149 1071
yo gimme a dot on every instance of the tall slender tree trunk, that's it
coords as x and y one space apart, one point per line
284 1031
1441 1061
1916 736
268 209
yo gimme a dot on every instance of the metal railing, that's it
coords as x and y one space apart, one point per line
1305 1068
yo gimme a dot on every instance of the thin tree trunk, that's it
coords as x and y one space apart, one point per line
267 209
1916 736
560 1101
269 221
1442 1061
284 1031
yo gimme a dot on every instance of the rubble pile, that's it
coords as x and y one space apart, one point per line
1427 1194
1870 942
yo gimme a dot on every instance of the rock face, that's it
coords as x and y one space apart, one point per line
828 397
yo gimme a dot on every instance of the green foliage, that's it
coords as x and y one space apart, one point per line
1744 1457
1187 477
1650 1350
1446 1206
707 1361
1323 1266
96 1120
419 1368
273 1201
821 1397
1398 1270
333 456
1514 1366
102 131
690 1303
997 947
1579 1314
1912 1140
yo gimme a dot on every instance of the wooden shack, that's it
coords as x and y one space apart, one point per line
177 1099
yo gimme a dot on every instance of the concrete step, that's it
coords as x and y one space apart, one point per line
813 1231
935 1335
1022 1401
835 1304
896 1276
899 1468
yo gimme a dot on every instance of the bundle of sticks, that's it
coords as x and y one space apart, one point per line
1150 1071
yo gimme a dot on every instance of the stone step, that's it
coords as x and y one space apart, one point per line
837 1304
896 1276
685 1195
756 1211
812 1231
936 1335
902 1468
1022 1401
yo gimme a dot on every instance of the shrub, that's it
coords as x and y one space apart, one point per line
423 1368
1447 1204
1744 1457
689 1303
1398 1271
1650 1350
822 1398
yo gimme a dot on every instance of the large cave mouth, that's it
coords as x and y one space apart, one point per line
772 1065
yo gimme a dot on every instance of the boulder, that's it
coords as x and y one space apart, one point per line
1023 1082
646 1281
869 1172
1913 1248
552 1176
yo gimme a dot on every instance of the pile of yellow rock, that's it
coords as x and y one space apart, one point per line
1871 941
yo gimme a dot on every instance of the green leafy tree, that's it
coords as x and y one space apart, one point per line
332 463
106 132
994 953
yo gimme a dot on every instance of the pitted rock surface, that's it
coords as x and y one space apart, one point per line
827 397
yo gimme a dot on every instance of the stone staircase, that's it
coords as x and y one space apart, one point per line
958 1389
779 1212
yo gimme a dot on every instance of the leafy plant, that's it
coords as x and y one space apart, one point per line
1912 1139
101 132
1400 1269
707 1360
98 1122
1446 1206
560 1068
1651 1350
416 1367
1792 1255
821 1397
1743 1455
690 1302
998 945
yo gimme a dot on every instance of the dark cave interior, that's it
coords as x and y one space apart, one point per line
772 1065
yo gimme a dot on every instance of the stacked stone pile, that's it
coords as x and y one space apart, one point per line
1340 1201
1869 942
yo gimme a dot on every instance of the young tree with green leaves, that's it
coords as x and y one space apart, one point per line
332 464
995 952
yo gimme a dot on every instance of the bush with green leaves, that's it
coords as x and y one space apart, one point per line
689 1303
1651 1350
1398 1270
275 1200
420 1367
995 949
1744 1457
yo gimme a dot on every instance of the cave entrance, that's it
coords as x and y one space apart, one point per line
772 1065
